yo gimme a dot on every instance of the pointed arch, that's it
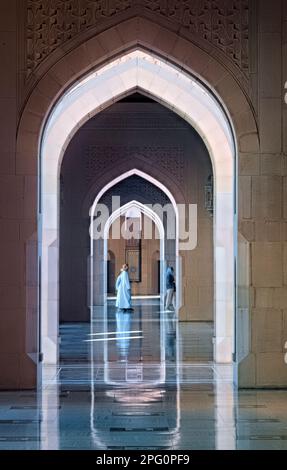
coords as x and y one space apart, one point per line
152 216
188 97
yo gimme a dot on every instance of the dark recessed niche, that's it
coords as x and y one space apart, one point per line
136 98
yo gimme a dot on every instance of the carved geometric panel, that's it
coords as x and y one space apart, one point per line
223 23
135 188
52 23
99 159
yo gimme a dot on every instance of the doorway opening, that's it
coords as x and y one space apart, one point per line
188 98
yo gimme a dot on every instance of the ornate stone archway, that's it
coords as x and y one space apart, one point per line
188 98
85 57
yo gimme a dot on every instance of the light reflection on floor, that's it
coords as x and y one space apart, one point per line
141 380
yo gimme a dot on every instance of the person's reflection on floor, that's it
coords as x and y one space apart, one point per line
123 321
171 336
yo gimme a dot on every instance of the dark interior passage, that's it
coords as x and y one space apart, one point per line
137 132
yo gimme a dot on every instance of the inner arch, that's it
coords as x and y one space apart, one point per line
186 96
153 217
164 196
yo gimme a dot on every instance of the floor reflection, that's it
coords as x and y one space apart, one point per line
135 381
124 334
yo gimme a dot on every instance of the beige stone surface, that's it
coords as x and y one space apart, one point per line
285 263
49 86
10 371
28 230
211 69
28 371
249 165
267 270
270 59
26 162
247 229
285 122
285 197
245 125
285 331
266 330
95 50
9 230
270 16
280 297
78 57
268 231
267 197
11 197
63 72
33 122
198 314
146 31
264 297
272 165
11 326
284 72
244 197
252 297
165 40
30 201
7 163
205 296
271 370
8 83
12 297
248 142
284 231
7 15
38 104
27 144
270 124
7 127
247 372
12 263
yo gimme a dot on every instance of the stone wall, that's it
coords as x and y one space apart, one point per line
18 343
263 215
254 96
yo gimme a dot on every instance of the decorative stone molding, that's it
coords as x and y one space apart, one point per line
51 23
133 120
137 188
224 24
99 159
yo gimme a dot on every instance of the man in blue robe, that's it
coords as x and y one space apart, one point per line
123 288
170 289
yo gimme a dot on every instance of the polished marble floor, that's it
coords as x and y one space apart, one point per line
140 380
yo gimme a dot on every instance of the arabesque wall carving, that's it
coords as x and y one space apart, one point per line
222 23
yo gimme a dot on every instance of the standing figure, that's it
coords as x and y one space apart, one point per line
170 289
123 288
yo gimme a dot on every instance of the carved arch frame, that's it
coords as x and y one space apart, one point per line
101 49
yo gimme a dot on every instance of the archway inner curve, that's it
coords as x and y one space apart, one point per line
146 211
190 99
